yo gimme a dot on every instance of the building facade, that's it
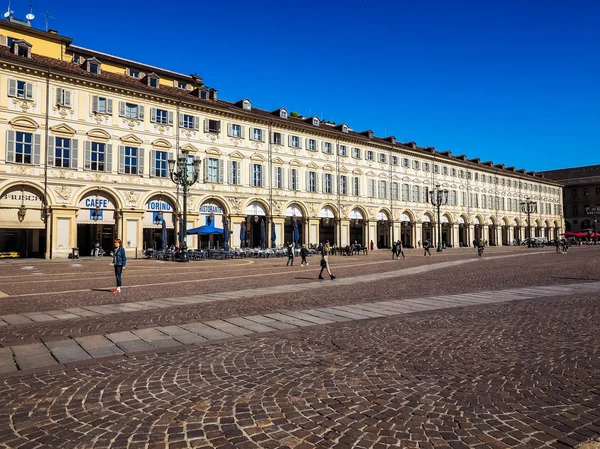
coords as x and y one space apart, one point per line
86 140
581 196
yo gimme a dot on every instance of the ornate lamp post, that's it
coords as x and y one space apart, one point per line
593 213
439 198
528 207
185 175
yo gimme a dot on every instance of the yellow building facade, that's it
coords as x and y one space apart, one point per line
86 138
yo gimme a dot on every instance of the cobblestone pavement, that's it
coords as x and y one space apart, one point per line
518 374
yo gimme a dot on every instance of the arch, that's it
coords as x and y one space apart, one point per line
98 134
357 171
295 163
162 144
256 206
427 217
476 221
113 193
506 221
24 123
358 213
384 214
149 196
257 157
448 218
407 215
295 207
463 219
327 210
214 152
328 167
216 198
31 196
312 166
491 221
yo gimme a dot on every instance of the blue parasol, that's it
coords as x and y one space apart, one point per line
296 234
263 234
164 234
243 235
226 234
273 234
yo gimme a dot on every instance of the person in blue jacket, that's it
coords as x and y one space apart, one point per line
119 261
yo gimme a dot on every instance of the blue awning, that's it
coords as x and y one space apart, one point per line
205 230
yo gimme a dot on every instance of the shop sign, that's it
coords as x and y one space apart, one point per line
156 206
211 208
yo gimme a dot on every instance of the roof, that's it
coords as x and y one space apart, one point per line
563 174
255 113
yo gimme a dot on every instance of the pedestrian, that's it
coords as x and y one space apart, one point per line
325 260
475 244
303 254
399 250
119 262
97 248
426 247
290 253
394 253
372 245
419 244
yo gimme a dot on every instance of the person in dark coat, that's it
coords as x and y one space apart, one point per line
303 254
290 253
325 260
399 250
119 262
426 247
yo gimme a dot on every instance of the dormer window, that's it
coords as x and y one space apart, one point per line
182 85
134 73
21 47
247 105
92 65
151 80
315 121
345 129
75 59
283 113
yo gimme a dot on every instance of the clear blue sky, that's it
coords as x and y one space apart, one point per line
516 82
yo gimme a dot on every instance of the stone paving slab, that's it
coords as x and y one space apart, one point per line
67 350
16 318
98 346
228 328
39 317
34 355
155 338
250 325
280 325
7 363
182 335
307 317
208 332
288 319
325 315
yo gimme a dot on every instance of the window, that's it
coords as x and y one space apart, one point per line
62 152
371 188
343 185
131 110
416 194
311 145
212 126
295 142
234 173
235 130
454 172
382 189
436 168
257 134
461 174
405 162
327 147
444 170
356 153
453 198
134 73
277 138
131 156
395 191
283 113
343 150
315 121
153 82
311 185
161 116
416 165
257 178
23 148
425 194
182 85
382 158
426 166
369 155
574 192
328 183
160 165
278 177
101 105
405 192
20 89
98 156
188 121
356 186
212 170
63 97
395 160
19 47
94 67
293 185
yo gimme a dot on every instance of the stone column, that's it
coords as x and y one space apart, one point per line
279 229
345 237
133 232
418 234
64 235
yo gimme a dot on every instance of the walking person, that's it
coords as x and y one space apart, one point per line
290 253
399 250
325 261
426 247
394 253
303 254
119 262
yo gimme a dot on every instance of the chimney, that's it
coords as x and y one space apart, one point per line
51 31
212 94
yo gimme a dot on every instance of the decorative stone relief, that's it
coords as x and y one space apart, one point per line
372 211
236 204
132 197
161 128
63 193
313 209
23 104
62 111
235 141
210 136
276 207
131 123
189 133
23 170
344 211
99 117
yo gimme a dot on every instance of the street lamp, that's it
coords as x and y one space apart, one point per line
593 213
185 175
529 207
439 198
96 211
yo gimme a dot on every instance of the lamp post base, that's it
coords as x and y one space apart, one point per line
439 249
185 256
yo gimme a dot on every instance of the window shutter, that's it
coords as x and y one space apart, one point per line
140 164
170 117
152 163
74 154
108 158
219 126
323 147
29 91
50 155
141 112
109 106
370 189
181 117
306 143
67 98
230 172
59 96
12 87
87 156
37 147
205 125
121 159
121 109
196 123
238 173
250 135
251 179
263 135
291 173
289 140
10 146
229 130
323 182
317 182
243 131
94 103
299 143
153 115
307 181
282 178
205 171
221 167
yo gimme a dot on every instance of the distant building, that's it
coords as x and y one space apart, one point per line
581 190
